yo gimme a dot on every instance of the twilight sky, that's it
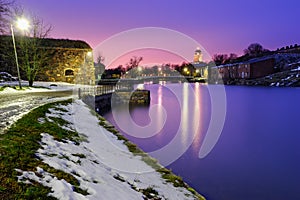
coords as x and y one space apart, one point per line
219 26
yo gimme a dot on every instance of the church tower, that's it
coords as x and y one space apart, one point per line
198 55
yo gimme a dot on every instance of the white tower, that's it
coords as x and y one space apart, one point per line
198 55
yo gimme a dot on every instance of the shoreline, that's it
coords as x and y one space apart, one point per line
73 153
152 162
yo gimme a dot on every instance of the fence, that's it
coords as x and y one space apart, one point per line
103 89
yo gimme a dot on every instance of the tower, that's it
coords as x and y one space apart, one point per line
198 55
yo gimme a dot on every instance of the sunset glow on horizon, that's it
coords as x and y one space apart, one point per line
223 27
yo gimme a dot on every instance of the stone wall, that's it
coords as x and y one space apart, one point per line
72 65
65 60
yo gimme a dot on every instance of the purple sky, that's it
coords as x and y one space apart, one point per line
219 26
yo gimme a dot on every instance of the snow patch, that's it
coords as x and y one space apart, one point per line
103 165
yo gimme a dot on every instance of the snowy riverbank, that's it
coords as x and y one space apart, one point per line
102 164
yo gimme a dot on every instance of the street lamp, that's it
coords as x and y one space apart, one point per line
22 24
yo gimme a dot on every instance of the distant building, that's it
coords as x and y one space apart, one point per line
197 55
201 70
289 49
254 68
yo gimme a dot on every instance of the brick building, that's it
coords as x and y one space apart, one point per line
254 68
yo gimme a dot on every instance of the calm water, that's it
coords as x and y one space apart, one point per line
257 155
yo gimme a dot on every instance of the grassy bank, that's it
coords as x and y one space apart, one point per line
17 151
167 174
20 143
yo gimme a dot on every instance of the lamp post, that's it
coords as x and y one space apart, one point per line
23 25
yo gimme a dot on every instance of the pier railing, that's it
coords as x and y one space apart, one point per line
98 90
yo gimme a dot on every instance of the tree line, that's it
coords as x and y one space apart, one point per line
253 50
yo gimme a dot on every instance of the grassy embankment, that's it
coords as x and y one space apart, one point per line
17 151
18 147
167 174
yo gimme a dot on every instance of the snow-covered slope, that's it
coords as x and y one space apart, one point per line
104 166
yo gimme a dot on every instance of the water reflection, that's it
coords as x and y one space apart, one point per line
185 115
197 119
160 111
259 142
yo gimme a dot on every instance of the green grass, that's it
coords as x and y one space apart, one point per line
19 89
17 151
166 174
20 143
2 88
150 193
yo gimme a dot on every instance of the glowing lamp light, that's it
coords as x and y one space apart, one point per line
185 69
22 24
89 54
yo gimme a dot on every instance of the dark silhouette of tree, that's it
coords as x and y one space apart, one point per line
32 56
120 69
254 50
232 57
220 59
133 62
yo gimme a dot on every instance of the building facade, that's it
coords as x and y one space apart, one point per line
71 65
61 60
254 68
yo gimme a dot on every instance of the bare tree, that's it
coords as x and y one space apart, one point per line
5 13
220 59
100 59
133 62
32 54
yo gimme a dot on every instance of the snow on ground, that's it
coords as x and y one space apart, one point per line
15 103
103 165
296 69
46 86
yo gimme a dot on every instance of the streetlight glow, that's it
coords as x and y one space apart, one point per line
89 54
22 24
